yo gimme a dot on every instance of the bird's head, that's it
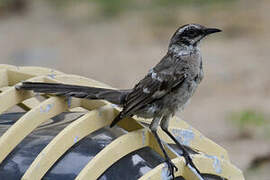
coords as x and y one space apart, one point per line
191 34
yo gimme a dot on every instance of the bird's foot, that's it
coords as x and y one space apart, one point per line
190 162
171 167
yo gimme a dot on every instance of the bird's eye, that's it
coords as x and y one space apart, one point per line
192 33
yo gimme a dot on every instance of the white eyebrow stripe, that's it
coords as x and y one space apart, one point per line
187 27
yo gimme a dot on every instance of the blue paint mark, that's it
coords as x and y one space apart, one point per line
99 112
69 102
52 75
165 173
143 137
216 163
76 139
114 106
184 136
46 109
222 156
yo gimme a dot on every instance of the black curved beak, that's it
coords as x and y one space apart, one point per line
211 31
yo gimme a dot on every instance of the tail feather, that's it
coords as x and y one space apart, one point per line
116 120
111 95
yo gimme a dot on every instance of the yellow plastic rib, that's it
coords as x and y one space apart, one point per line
29 103
11 97
38 71
15 77
206 164
113 152
77 130
19 74
26 124
6 66
4 78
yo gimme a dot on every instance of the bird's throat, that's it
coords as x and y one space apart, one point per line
183 49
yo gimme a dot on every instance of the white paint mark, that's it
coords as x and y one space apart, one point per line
165 172
145 169
185 136
136 159
41 156
216 163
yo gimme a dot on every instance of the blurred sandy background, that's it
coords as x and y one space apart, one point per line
117 41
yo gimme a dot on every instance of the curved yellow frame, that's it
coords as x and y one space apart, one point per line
211 158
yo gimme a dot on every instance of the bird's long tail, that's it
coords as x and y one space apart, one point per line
111 95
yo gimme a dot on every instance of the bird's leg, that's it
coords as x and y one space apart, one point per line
185 152
164 126
171 165
153 128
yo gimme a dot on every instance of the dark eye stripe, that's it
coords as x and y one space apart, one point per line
190 33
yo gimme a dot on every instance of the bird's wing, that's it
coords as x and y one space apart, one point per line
154 86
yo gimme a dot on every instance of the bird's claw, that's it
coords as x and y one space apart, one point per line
190 162
171 167
188 159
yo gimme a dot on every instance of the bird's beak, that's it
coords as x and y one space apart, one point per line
211 31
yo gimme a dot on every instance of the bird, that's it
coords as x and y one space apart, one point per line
163 91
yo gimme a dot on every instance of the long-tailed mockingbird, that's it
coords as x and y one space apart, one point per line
164 90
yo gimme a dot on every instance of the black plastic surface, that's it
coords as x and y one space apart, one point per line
130 167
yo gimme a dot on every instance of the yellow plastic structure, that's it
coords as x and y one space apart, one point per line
211 158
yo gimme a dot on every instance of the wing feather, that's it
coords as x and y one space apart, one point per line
150 89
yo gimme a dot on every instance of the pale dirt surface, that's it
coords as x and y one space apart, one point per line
120 51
